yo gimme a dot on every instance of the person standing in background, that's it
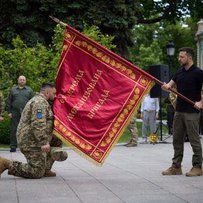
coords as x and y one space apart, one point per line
149 114
17 99
134 132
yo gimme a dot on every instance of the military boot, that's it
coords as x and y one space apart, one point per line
172 171
59 154
131 144
49 173
4 164
127 143
194 172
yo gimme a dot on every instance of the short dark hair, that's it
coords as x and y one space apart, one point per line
188 50
47 85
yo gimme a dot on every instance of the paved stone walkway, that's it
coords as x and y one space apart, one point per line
130 175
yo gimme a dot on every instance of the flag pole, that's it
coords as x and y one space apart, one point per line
175 92
58 21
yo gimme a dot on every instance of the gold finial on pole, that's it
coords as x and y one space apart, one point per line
58 21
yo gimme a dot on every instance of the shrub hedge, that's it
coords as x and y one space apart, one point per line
5 130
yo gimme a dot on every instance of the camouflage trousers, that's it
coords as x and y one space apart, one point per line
134 132
37 161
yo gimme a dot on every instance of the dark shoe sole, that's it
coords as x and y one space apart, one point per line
12 150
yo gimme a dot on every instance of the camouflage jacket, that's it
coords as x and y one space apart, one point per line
36 124
1 103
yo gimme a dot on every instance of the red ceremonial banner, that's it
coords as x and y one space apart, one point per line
97 94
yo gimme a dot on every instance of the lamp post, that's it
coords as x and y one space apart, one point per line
170 50
199 39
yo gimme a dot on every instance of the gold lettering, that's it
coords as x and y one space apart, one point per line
98 104
75 83
86 94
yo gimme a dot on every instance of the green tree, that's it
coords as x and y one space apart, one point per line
151 41
30 19
40 63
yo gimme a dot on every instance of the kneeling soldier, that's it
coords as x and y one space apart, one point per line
35 138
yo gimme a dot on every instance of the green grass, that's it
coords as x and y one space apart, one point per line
4 146
127 135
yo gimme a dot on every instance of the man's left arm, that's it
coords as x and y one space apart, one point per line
39 125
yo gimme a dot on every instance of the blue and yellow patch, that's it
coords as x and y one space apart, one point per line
39 113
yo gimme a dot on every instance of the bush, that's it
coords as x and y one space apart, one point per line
5 130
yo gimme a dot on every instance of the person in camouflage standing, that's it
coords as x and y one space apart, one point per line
134 132
1 106
34 134
17 99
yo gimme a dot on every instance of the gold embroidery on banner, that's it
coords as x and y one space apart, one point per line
89 47
82 145
105 58
77 141
144 81
132 75
56 123
65 47
73 138
61 101
120 119
78 43
97 154
116 125
137 91
68 36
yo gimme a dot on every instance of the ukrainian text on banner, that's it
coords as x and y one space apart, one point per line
97 94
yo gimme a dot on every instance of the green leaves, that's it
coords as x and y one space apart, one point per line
40 63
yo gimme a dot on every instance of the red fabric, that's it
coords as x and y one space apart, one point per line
97 94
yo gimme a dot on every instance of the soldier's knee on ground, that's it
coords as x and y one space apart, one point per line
58 154
38 174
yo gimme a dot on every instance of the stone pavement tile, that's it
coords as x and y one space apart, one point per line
89 189
8 190
160 198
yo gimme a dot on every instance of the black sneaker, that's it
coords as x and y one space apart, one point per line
13 150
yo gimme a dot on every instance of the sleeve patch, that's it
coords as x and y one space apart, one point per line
39 113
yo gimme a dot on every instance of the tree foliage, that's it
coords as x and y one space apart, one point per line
151 41
40 63
30 19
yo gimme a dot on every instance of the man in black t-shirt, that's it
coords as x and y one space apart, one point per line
189 81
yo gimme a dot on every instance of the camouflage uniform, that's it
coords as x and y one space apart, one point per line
133 130
34 131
